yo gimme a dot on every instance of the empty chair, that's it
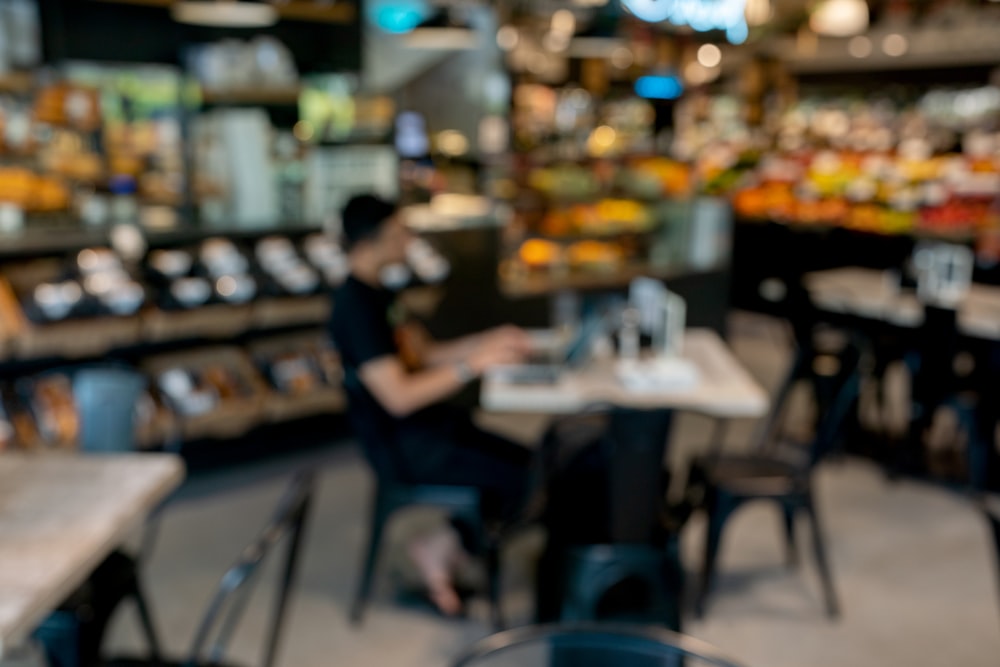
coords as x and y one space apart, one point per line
229 602
778 473
591 645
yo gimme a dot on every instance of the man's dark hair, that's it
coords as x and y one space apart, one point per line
363 217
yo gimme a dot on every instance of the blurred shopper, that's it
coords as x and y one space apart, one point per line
398 378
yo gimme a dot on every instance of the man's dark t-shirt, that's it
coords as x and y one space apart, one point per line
436 445
363 330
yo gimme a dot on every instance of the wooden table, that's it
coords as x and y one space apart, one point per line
869 294
724 389
60 516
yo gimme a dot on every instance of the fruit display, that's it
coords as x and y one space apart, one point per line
604 218
656 177
887 194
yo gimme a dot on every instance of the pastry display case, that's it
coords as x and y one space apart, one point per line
304 375
215 392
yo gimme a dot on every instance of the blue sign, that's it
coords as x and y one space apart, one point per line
659 87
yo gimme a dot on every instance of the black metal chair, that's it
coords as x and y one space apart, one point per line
106 399
394 493
777 472
991 508
591 645
208 648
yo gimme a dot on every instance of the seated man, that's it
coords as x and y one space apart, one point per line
398 378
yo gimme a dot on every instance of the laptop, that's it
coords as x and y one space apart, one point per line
544 368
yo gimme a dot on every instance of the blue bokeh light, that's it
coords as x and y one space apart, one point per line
396 16
738 33
659 87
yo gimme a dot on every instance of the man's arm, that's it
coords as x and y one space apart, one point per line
438 353
402 393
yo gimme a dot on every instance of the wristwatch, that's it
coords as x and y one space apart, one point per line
464 372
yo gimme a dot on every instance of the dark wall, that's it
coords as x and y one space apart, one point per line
88 30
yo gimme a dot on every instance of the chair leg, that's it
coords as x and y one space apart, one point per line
826 576
718 512
380 516
493 583
146 619
287 581
791 550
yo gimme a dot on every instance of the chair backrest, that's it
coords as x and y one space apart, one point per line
106 399
833 407
229 602
843 397
591 645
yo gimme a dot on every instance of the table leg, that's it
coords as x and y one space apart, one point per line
637 474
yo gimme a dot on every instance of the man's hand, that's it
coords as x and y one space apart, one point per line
499 347
509 336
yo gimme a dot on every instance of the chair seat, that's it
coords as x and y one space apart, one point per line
753 475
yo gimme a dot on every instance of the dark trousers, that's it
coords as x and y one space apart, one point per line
451 450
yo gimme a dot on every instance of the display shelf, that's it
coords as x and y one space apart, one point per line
37 241
543 284
298 10
17 83
258 96
961 236
234 414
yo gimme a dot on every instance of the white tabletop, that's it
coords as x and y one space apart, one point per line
724 389
868 293
60 516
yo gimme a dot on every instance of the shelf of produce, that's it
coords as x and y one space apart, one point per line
949 235
542 284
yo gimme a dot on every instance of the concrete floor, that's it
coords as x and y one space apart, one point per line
912 564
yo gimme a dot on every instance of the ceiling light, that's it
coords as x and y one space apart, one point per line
563 22
224 13
622 57
508 38
895 45
758 12
452 143
556 42
840 18
709 55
